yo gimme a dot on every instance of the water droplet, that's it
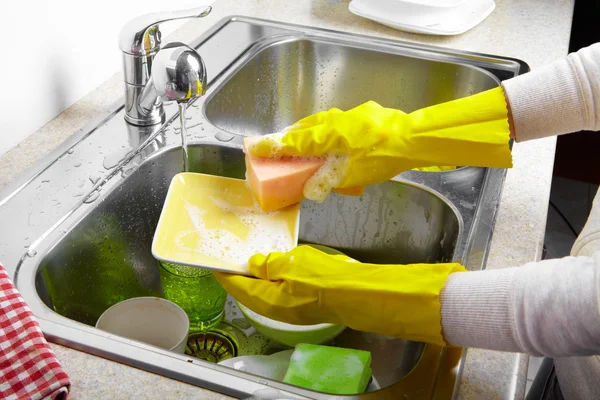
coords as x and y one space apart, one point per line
223 136
92 197
240 323
94 179
71 151
113 159
31 253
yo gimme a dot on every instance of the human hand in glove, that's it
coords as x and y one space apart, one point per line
306 286
371 144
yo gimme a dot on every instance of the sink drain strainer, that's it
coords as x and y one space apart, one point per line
211 346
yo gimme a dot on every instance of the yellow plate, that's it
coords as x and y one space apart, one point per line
213 222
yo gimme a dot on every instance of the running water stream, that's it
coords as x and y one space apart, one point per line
182 120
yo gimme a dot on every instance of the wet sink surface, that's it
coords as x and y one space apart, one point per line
96 251
105 258
289 80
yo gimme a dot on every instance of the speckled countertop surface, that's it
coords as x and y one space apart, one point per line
534 31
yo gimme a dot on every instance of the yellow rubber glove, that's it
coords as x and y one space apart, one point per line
373 144
307 286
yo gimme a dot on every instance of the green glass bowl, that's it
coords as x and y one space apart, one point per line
288 334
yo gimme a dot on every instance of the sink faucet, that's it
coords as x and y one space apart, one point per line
153 75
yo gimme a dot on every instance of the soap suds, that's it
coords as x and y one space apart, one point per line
322 182
327 178
264 234
272 141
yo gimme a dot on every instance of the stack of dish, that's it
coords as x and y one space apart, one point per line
432 17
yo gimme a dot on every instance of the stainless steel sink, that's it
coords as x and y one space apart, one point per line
86 216
296 77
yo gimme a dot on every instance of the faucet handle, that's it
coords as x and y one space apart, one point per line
141 36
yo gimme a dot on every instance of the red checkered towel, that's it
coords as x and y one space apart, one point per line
28 367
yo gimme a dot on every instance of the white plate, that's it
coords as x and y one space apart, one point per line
432 3
406 17
213 222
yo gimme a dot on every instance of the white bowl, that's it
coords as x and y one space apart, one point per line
150 320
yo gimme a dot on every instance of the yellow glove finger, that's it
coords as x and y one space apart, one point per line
272 145
299 268
272 299
258 264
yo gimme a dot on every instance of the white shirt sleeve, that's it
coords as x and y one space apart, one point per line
552 307
558 98
549 308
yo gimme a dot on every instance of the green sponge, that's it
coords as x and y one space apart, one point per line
329 369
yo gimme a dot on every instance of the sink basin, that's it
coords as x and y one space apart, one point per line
92 207
106 256
291 79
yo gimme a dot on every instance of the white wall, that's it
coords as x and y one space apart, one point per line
56 51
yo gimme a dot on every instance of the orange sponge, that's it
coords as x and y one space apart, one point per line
279 182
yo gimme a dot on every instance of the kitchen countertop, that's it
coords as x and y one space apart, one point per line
535 32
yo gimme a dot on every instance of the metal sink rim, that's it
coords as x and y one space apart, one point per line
55 331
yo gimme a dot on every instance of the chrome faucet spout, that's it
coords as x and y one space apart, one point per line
140 42
178 74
